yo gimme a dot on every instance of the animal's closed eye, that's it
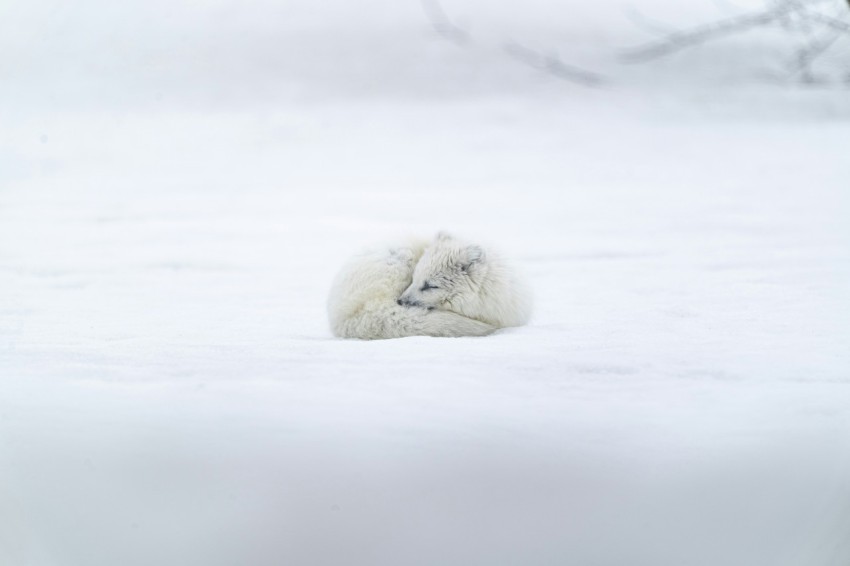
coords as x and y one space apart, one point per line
426 286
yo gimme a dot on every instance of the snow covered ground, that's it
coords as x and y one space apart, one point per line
179 184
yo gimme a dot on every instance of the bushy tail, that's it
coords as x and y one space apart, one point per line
400 322
444 323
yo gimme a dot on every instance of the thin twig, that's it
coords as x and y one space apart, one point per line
837 25
553 65
442 24
791 13
682 39
807 56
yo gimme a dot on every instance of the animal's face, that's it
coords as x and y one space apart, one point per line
447 272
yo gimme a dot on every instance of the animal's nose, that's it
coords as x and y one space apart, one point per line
399 302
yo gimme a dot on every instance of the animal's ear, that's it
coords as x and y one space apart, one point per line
443 236
473 255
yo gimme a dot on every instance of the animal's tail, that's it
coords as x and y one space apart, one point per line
400 322
444 323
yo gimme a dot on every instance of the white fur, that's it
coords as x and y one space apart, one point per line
470 292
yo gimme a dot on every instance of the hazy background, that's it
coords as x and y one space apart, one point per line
179 182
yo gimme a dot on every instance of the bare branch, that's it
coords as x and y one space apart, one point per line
553 65
795 16
833 23
442 24
792 14
550 64
807 56
682 39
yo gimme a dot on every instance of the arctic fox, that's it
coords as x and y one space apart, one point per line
442 288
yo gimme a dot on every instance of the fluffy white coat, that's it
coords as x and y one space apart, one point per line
443 288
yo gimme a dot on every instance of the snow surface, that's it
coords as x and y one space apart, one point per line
179 184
